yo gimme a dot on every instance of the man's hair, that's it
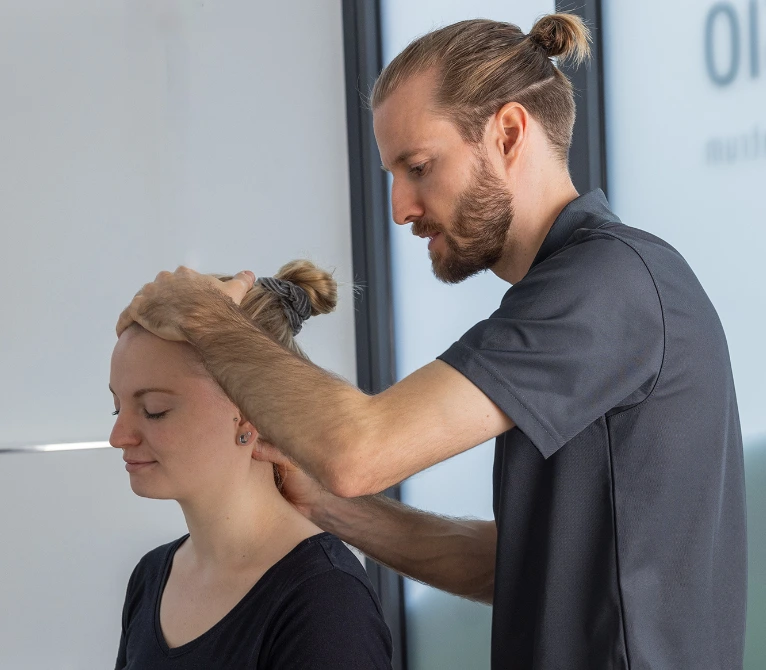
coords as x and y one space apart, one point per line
481 65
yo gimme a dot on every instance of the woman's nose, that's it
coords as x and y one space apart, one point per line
123 434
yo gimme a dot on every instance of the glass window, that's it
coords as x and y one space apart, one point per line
443 631
685 89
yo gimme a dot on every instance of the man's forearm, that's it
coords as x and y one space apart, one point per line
376 441
454 555
294 404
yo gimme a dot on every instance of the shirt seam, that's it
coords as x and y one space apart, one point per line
340 568
662 315
600 229
616 544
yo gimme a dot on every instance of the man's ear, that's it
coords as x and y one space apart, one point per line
509 128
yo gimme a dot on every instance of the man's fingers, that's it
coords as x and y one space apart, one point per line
126 318
263 451
161 305
238 286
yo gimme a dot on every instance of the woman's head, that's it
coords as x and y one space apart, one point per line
180 433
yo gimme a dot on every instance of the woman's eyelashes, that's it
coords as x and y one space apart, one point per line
157 415
147 414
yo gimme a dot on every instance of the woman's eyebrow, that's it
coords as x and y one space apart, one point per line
142 392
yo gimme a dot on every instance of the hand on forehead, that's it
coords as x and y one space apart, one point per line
162 306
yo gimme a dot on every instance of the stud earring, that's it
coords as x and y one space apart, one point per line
243 439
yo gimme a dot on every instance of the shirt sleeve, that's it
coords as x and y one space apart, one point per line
582 334
330 622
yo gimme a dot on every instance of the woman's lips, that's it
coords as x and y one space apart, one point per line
138 466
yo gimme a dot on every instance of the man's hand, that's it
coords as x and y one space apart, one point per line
163 306
303 492
455 555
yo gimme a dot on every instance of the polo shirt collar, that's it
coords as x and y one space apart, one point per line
590 210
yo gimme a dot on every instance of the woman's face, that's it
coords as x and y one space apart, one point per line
177 429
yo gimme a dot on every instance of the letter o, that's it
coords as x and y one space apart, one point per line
725 11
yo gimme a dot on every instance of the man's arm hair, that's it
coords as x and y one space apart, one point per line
378 441
454 555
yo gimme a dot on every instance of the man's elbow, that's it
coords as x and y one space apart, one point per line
481 589
346 479
349 472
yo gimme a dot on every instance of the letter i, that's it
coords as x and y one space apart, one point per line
755 62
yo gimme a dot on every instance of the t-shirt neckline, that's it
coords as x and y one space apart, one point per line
173 652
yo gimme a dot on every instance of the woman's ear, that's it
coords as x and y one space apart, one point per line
246 433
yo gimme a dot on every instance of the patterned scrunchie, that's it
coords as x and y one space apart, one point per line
295 301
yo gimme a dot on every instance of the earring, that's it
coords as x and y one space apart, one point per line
243 439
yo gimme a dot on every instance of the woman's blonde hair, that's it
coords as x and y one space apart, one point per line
266 310
481 65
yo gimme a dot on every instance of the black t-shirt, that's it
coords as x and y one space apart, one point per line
315 609
619 495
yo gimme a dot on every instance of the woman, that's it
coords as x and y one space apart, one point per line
254 584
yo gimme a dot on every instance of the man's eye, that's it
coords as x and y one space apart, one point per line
418 170
158 415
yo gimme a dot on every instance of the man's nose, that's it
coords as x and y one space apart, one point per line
405 205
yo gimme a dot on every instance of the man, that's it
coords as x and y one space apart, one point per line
618 539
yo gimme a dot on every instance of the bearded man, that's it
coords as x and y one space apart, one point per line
619 531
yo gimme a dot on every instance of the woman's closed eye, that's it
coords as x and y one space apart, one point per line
155 415
147 414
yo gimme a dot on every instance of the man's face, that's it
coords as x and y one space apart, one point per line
445 187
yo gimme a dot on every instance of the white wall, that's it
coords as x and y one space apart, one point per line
136 136
443 631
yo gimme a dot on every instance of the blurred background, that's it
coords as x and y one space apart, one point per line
222 134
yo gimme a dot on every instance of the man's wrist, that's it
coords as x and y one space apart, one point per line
326 512
215 313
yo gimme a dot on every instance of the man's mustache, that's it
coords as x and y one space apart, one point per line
426 228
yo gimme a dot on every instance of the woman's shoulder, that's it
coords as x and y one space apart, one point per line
329 611
320 559
153 564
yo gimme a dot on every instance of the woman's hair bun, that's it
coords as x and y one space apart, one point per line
321 288
565 36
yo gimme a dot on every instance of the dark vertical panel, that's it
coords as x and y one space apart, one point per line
371 256
587 157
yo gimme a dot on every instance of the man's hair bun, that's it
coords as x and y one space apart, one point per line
564 36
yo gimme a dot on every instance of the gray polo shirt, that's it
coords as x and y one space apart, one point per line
619 496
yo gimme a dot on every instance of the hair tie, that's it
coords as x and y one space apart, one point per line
295 301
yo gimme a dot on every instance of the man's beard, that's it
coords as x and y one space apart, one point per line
483 217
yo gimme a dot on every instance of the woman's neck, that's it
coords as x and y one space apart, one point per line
243 526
